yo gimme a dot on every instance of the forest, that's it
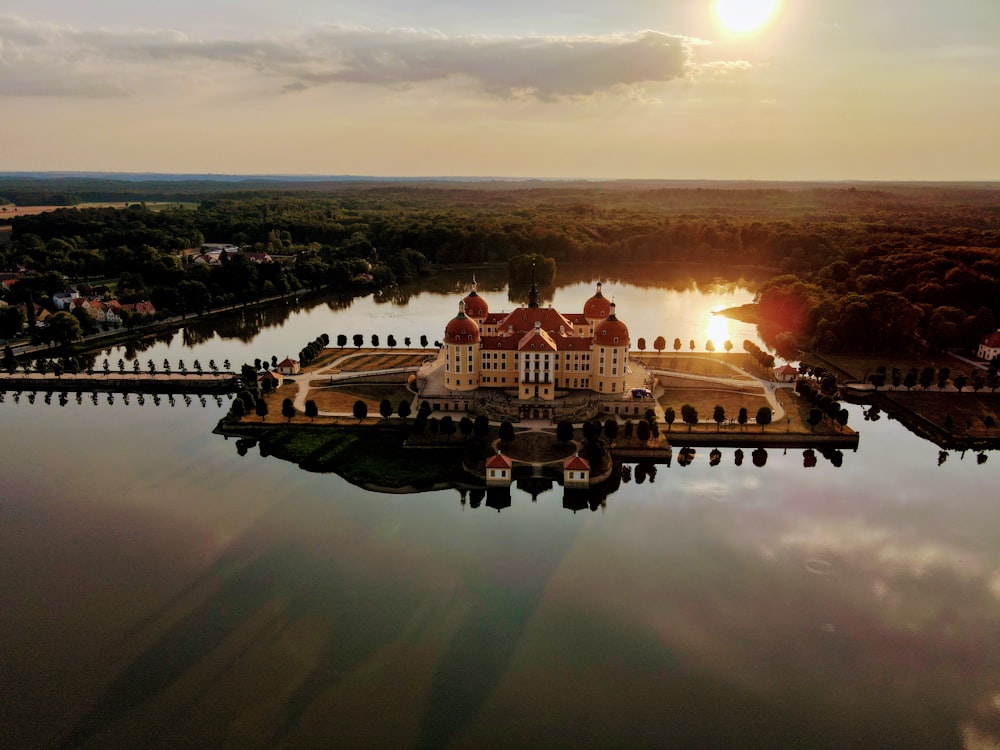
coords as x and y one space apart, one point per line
855 268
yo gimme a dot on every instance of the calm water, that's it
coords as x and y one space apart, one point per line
158 590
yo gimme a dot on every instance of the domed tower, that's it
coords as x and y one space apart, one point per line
475 306
461 343
597 307
610 354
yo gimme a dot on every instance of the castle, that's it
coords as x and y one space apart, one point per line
543 354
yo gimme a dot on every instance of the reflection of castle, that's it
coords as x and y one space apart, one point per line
536 350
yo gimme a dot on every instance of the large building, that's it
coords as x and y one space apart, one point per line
536 350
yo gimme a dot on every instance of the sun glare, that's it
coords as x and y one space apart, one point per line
717 330
742 16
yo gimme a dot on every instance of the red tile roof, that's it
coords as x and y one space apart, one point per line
576 463
498 461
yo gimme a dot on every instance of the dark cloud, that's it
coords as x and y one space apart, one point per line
546 68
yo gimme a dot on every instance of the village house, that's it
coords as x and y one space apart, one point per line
498 470
989 347
288 366
576 472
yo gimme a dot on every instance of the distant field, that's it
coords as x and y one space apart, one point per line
10 211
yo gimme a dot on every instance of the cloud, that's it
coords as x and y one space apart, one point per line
52 60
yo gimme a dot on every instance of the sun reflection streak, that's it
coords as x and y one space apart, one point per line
717 330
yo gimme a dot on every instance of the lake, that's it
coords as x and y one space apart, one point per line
159 590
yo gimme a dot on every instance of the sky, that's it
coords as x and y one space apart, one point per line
595 89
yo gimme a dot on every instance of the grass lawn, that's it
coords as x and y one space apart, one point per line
382 361
341 398
706 396
364 456
858 366
715 365
967 410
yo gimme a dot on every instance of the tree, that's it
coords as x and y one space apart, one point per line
642 431
691 345
11 321
677 345
763 417
926 377
391 341
341 340
710 346
742 417
465 427
611 428
312 411
669 415
842 417
423 342
728 346
447 426
260 407
237 410
960 381
359 340
660 344
385 408
360 410
63 328
815 417
564 431
719 415
506 432
287 409
375 340
404 409
641 344
481 427
690 416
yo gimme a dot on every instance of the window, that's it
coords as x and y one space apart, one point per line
615 340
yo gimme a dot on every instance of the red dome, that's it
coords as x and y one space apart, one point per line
475 306
597 307
611 332
461 330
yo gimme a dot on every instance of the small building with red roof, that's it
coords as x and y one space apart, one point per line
576 472
989 347
786 373
499 470
288 366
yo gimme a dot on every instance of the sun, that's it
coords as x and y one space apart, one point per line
741 16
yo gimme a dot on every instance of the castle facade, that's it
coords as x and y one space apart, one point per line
537 351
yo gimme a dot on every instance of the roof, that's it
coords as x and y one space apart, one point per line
576 463
523 319
498 461
611 332
787 370
597 306
537 339
288 362
476 306
273 375
461 329
992 340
